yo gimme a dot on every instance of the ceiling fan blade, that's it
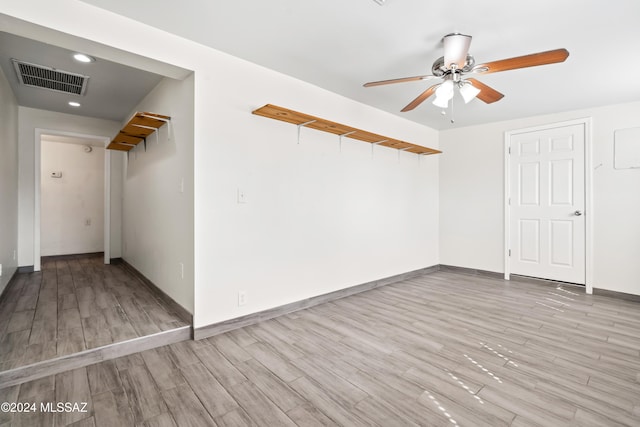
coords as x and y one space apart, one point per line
487 93
532 60
420 99
456 48
400 80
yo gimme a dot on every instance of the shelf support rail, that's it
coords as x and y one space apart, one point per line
304 124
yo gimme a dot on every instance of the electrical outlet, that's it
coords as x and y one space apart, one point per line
0 270
242 298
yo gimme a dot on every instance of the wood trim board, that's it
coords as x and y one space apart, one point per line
313 122
137 129
89 357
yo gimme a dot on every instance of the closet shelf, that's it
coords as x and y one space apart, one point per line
137 130
306 120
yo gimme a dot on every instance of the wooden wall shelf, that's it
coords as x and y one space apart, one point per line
301 119
137 130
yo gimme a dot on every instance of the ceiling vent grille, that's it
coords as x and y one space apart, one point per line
50 78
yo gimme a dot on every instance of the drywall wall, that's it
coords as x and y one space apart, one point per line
472 197
316 219
71 198
29 120
8 182
157 215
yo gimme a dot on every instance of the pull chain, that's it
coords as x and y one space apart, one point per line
452 120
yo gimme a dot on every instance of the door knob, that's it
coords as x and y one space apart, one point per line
577 213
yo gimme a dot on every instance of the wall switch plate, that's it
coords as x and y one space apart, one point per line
242 196
181 270
242 298
0 270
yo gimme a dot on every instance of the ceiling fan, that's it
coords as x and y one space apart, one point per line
457 63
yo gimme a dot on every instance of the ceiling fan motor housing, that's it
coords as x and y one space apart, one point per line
439 69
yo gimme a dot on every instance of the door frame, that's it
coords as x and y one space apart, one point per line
107 190
588 188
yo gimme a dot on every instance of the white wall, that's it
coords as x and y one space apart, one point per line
29 120
8 182
279 247
158 195
472 202
71 206
316 220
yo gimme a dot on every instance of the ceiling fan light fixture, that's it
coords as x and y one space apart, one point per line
441 102
445 90
468 91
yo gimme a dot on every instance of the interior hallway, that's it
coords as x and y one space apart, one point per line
73 304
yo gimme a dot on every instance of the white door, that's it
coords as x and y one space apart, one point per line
547 218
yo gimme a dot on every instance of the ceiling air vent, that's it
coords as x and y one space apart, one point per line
50 78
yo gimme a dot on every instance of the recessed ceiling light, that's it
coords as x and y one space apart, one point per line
74 103
81 57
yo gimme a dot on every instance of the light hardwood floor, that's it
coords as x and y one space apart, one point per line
73 304
445 349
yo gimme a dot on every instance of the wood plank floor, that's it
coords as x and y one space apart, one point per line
75 303
445 349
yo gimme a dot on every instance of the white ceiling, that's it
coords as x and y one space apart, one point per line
341 44
112 92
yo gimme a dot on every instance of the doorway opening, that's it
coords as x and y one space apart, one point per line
71 204
72 199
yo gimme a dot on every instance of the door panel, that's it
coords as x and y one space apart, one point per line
547 188
561 182
530 241
561 237
530 184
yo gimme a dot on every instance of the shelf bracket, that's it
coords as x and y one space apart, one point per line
155 130
373 144
304 124
162 119
402 149
345 134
